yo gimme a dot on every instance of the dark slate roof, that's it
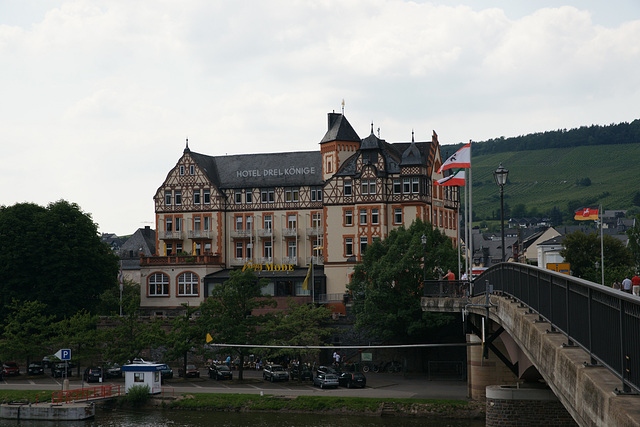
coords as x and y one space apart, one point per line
270 170
411 156
339 129
393 155
372 142
143 238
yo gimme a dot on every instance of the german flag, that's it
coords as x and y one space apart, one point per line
584 214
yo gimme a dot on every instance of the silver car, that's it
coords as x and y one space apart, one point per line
324 380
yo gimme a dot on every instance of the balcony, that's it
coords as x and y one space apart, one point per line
181 259
241 234
317 260
265 233
171 235
239 261
290 232
264 260
290 260
200 234
315 231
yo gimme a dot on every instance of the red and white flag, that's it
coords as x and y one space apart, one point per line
459 159
589 213
457 179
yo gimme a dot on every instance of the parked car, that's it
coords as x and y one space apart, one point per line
352 379
59 369
92 374
220 372
275 373
326 369
10 369
323 380
35 368
48 361
191 372
302 372
112 370
166 372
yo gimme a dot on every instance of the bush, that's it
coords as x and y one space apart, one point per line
138 395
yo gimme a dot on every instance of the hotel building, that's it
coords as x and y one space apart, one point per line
276 213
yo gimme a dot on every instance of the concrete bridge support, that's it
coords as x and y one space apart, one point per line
485 372
510 406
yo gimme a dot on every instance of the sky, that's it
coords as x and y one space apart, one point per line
98 97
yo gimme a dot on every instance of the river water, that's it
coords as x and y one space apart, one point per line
159 418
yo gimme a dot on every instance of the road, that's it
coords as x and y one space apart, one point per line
379 385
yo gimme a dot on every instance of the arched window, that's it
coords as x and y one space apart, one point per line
158 284
188 284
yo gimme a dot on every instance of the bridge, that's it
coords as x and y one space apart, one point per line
547 330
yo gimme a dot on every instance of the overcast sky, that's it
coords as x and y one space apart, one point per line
97 97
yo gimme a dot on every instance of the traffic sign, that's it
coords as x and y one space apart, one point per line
64 354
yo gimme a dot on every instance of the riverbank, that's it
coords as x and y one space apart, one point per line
433 408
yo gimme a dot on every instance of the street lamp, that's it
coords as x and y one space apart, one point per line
424 262
500 176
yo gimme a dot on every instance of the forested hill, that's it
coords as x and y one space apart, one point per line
614 134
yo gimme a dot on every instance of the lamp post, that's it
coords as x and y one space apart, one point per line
500 175
423 239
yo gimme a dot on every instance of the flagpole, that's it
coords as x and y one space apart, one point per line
600 213
466 230
470 220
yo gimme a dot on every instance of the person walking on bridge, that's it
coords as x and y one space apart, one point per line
635 285
626 284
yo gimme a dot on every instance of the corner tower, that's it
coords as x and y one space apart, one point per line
338 144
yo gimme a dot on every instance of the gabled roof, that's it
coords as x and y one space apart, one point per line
339 130
270 170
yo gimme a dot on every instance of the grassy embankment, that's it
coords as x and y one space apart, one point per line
324 404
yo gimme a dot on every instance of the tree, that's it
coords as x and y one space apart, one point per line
186 336
78 333
634 242
387 285
298 325
229 316
53 255
128 336
26 330
582 252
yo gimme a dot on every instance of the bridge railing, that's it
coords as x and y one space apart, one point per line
88 393
445 288
603 321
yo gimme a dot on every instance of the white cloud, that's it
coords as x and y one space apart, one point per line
99 96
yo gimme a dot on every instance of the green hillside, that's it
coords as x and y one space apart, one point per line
546 178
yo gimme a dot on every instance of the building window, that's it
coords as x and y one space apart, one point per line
178 198
368 186
168 223
178 248
348 217
316 194
238 196
207 196
292 247
363 217
138 377
363 244
347 188
268 195
397 186
178 224
249 222
192 170
292 195
238 223
207 248
372 186
316 220
207 223
268 222
196 197
158 284
248 197
268 249
167 197
406 185
415 185
375 216
187 284
292 221
397 216
239 250
196 223
169 249
348 246
181 170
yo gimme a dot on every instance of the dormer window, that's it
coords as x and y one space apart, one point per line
192 170
181 170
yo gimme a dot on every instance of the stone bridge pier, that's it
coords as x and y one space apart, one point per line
527 373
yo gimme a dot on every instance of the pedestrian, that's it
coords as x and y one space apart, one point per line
616 285
626 284
635 285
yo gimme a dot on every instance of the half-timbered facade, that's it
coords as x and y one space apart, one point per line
273 212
